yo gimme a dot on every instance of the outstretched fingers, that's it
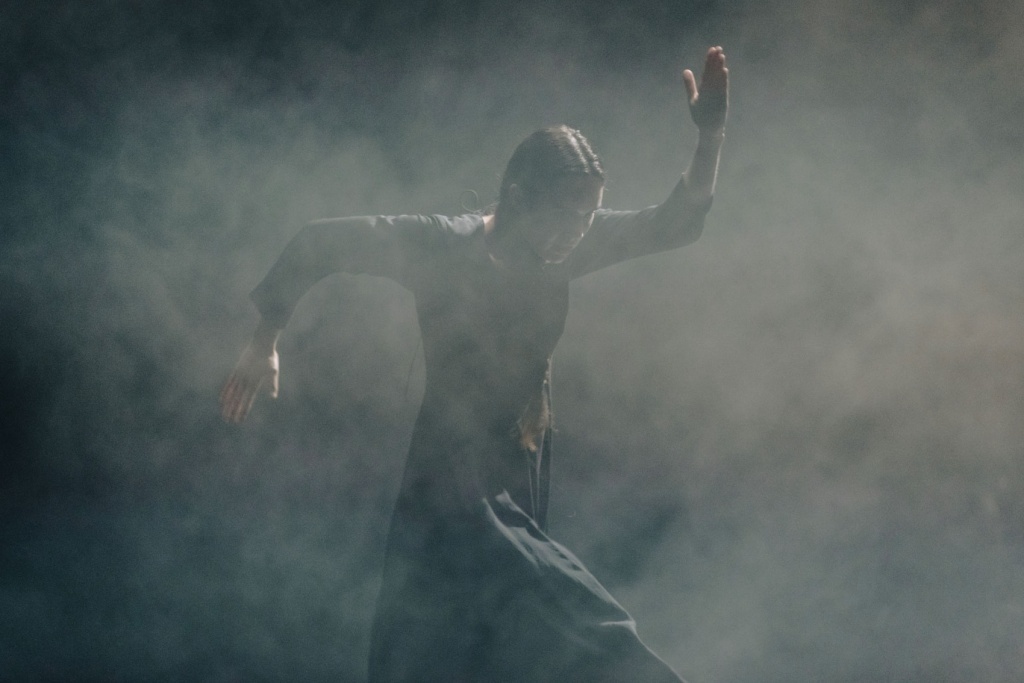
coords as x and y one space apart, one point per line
237 397
709 101
715 75
245 401
229 398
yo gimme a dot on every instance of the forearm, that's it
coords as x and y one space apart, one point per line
700 177
691 197
709 108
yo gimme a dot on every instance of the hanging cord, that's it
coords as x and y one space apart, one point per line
412 364
544 476
467 205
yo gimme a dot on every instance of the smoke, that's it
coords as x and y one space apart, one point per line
792 450
836 364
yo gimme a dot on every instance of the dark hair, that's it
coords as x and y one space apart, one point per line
541 160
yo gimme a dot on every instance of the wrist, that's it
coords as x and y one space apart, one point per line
264 339
711 136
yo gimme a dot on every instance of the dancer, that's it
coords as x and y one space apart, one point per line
473 588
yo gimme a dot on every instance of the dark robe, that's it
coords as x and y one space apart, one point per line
473 588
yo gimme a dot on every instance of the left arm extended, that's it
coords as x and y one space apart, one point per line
709 106
619 235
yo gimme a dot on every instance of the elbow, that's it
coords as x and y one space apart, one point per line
686 225
694 231
689 232
695 210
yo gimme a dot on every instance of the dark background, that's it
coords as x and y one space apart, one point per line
793 450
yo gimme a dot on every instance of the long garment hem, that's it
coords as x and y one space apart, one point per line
504 602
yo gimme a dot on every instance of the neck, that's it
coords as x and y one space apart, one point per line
507 248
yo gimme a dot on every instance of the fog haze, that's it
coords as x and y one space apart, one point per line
792 450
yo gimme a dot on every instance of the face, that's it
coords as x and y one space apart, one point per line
553 224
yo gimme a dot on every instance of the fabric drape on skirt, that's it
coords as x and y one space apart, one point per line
490 597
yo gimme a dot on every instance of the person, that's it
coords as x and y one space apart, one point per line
473 588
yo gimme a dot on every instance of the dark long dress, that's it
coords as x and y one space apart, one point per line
473 588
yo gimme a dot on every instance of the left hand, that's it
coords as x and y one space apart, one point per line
709 105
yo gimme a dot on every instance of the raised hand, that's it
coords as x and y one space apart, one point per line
709 104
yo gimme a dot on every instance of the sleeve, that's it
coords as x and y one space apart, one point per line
388 246
617 236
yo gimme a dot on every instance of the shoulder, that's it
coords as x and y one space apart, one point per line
619 217
437 239
464 225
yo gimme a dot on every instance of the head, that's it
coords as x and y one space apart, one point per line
552 186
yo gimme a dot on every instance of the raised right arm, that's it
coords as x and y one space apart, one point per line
619 235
